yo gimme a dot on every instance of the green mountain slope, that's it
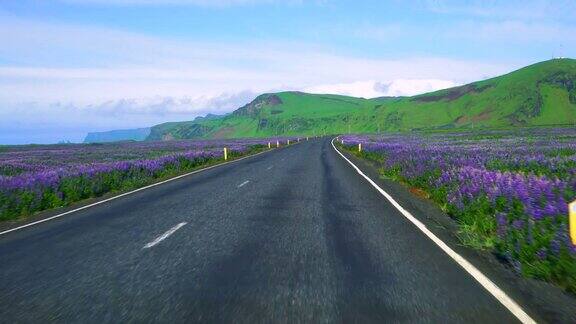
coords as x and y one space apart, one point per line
271 115
537 95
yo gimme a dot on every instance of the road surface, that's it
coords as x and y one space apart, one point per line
293 235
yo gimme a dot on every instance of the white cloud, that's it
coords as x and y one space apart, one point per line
203 3
411 87
162 106
155 107
496 32
364 89
531 23
85 67
514 31
85 86
49 123
507 9
373 89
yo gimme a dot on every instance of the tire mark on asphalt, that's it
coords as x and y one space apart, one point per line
359 275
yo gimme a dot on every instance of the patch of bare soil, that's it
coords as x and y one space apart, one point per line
453 94
419 192
224 132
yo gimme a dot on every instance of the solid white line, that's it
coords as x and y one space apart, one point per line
491 287
243 183
127 193
164 236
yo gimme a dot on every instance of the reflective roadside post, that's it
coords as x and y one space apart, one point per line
269 145
225 154
359 147
277 143
572 221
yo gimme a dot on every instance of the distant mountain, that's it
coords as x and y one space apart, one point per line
271 115
207 117
138 134
538 95
141 134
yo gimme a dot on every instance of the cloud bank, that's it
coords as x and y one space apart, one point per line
202 3
373 89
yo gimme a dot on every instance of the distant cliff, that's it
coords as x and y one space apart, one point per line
138 134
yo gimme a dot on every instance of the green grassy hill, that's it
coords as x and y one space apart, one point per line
273 114
538 95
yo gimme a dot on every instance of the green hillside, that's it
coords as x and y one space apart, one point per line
274 114
538 95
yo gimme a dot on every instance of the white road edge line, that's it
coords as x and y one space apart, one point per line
243 183
164 236
491 287
127 193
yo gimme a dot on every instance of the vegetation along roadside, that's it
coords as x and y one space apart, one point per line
508 190
36 178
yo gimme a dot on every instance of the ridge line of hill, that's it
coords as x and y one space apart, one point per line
542 94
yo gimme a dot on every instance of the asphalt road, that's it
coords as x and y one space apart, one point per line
293 235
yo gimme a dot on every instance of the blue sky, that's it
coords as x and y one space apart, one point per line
72 66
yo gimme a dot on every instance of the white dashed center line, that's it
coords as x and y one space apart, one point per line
164 236
243 183
269 168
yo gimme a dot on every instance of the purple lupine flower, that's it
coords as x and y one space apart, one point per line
542 254
37 169
526 182
518 224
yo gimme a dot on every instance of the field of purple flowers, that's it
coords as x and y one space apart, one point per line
39 177
508 190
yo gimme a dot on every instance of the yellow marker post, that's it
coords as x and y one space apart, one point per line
277 143
572 221
225 154
359 147
269 145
